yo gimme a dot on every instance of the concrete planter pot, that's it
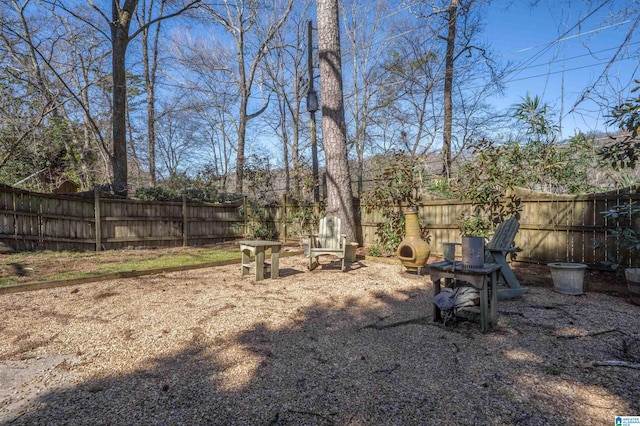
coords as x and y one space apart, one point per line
306 244
350 252
568 278
633 284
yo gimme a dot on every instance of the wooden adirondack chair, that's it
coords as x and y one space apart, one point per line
328 241
501 244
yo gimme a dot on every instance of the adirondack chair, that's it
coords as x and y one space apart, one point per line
328 241
501 244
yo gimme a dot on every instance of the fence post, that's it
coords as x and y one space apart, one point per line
97 221
41 224
283 218
185 221
246 226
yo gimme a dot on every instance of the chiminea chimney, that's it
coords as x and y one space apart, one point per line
413 251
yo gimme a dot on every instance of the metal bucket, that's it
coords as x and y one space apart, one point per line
472 252
449 252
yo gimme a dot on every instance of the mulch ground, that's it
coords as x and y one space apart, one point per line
209 346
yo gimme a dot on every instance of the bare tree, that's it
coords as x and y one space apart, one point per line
150 39
220 126
409 95
609 87
367 36
203 77
285 70
458 25
86 76
179 139
240 19
339 193
62 85
119 24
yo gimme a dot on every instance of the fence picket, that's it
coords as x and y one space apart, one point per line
553 228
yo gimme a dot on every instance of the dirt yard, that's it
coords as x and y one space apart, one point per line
208 346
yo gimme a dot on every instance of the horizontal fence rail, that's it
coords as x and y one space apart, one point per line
34 221
553 228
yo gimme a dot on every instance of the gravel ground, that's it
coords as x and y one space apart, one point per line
208 346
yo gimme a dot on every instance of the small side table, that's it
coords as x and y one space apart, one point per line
485 279
257 248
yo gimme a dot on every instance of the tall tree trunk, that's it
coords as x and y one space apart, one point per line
242 133
238 21
120 39
245 89
448 85
339 194
151 130
285 145
150 62
295 154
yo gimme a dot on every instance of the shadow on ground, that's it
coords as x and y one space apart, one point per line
349 364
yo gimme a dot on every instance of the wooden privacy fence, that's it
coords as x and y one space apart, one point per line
34 221
553 228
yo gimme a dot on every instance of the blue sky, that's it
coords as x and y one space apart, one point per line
557 62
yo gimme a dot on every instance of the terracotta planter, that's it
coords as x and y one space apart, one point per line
413 251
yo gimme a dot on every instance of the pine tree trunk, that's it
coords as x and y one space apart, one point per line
339 194
448 85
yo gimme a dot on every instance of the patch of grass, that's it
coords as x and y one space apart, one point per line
141 265
552 369
49 266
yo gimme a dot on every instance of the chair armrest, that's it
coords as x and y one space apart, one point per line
506 250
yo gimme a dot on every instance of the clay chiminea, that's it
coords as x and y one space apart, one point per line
413 251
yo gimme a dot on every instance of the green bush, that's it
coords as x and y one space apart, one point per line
157 193
255 219
397 182
625 236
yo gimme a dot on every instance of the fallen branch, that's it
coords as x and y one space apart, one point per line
376 324
547 307
590 333
311 413
538 325
557 306
511 313
388 370
419 321
611 363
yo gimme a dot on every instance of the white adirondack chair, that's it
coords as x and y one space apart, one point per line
328 241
